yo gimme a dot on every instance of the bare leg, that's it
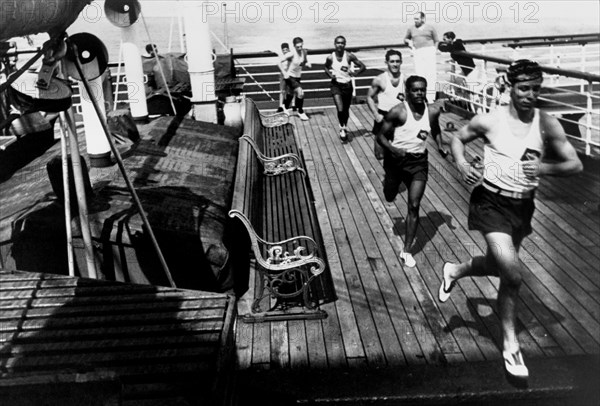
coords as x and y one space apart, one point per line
415 194
501 260
339 105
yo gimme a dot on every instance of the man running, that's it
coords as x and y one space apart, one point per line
515 138
405 153
387 90
338 68
296 59
283 89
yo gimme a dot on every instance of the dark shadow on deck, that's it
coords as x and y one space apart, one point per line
69 341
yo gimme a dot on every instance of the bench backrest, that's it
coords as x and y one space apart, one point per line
247 197
253 126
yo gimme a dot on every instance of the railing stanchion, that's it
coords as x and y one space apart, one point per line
583 49
588 119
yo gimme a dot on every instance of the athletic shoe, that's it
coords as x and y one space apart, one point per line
445 288
280 109
287 112
303 116
407 259
343 135
514 365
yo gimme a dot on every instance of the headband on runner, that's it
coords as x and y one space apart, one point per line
522 70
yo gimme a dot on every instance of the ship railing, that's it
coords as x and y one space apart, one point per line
575 109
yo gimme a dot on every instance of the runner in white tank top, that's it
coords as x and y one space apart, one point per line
502 207
387 90
295 60
338 66
405 154
505 152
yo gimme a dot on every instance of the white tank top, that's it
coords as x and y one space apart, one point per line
389 97
341 68
503 156
412 136
295 64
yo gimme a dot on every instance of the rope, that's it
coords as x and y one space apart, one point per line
160 68
241 66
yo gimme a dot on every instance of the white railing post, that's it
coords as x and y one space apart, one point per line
582 87
588 119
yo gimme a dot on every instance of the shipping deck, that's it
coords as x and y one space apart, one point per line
387 327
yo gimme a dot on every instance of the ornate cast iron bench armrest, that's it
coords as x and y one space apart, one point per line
278 164
281 267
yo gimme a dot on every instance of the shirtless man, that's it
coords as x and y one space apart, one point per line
501 207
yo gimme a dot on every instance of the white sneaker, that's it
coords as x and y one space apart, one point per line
303 116
286 112
343 135
446 286
514 365
407 259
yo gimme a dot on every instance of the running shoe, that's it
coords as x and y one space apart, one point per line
514 365
408 260
343 135
303 116
445 287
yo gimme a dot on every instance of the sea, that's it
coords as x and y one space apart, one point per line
253 26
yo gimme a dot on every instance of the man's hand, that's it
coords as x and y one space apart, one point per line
309 65
470 174
378 118
398 152
531 169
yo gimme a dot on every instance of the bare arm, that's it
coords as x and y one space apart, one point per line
371 94
408 39
434 36
305 62
394 118
476 128
327 67
436 132
357 62
282 67
554 137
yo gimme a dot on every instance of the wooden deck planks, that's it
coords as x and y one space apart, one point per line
388 315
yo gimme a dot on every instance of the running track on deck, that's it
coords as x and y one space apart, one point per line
389 316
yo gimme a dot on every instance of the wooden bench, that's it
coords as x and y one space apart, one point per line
273 200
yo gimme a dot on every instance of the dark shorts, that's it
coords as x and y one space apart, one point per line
292 83
405 170
491 212
342 89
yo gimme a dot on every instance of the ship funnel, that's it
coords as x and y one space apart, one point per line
122 13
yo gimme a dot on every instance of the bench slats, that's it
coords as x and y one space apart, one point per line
278 212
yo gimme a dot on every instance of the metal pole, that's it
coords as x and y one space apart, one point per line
81 198
121 165
66 194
